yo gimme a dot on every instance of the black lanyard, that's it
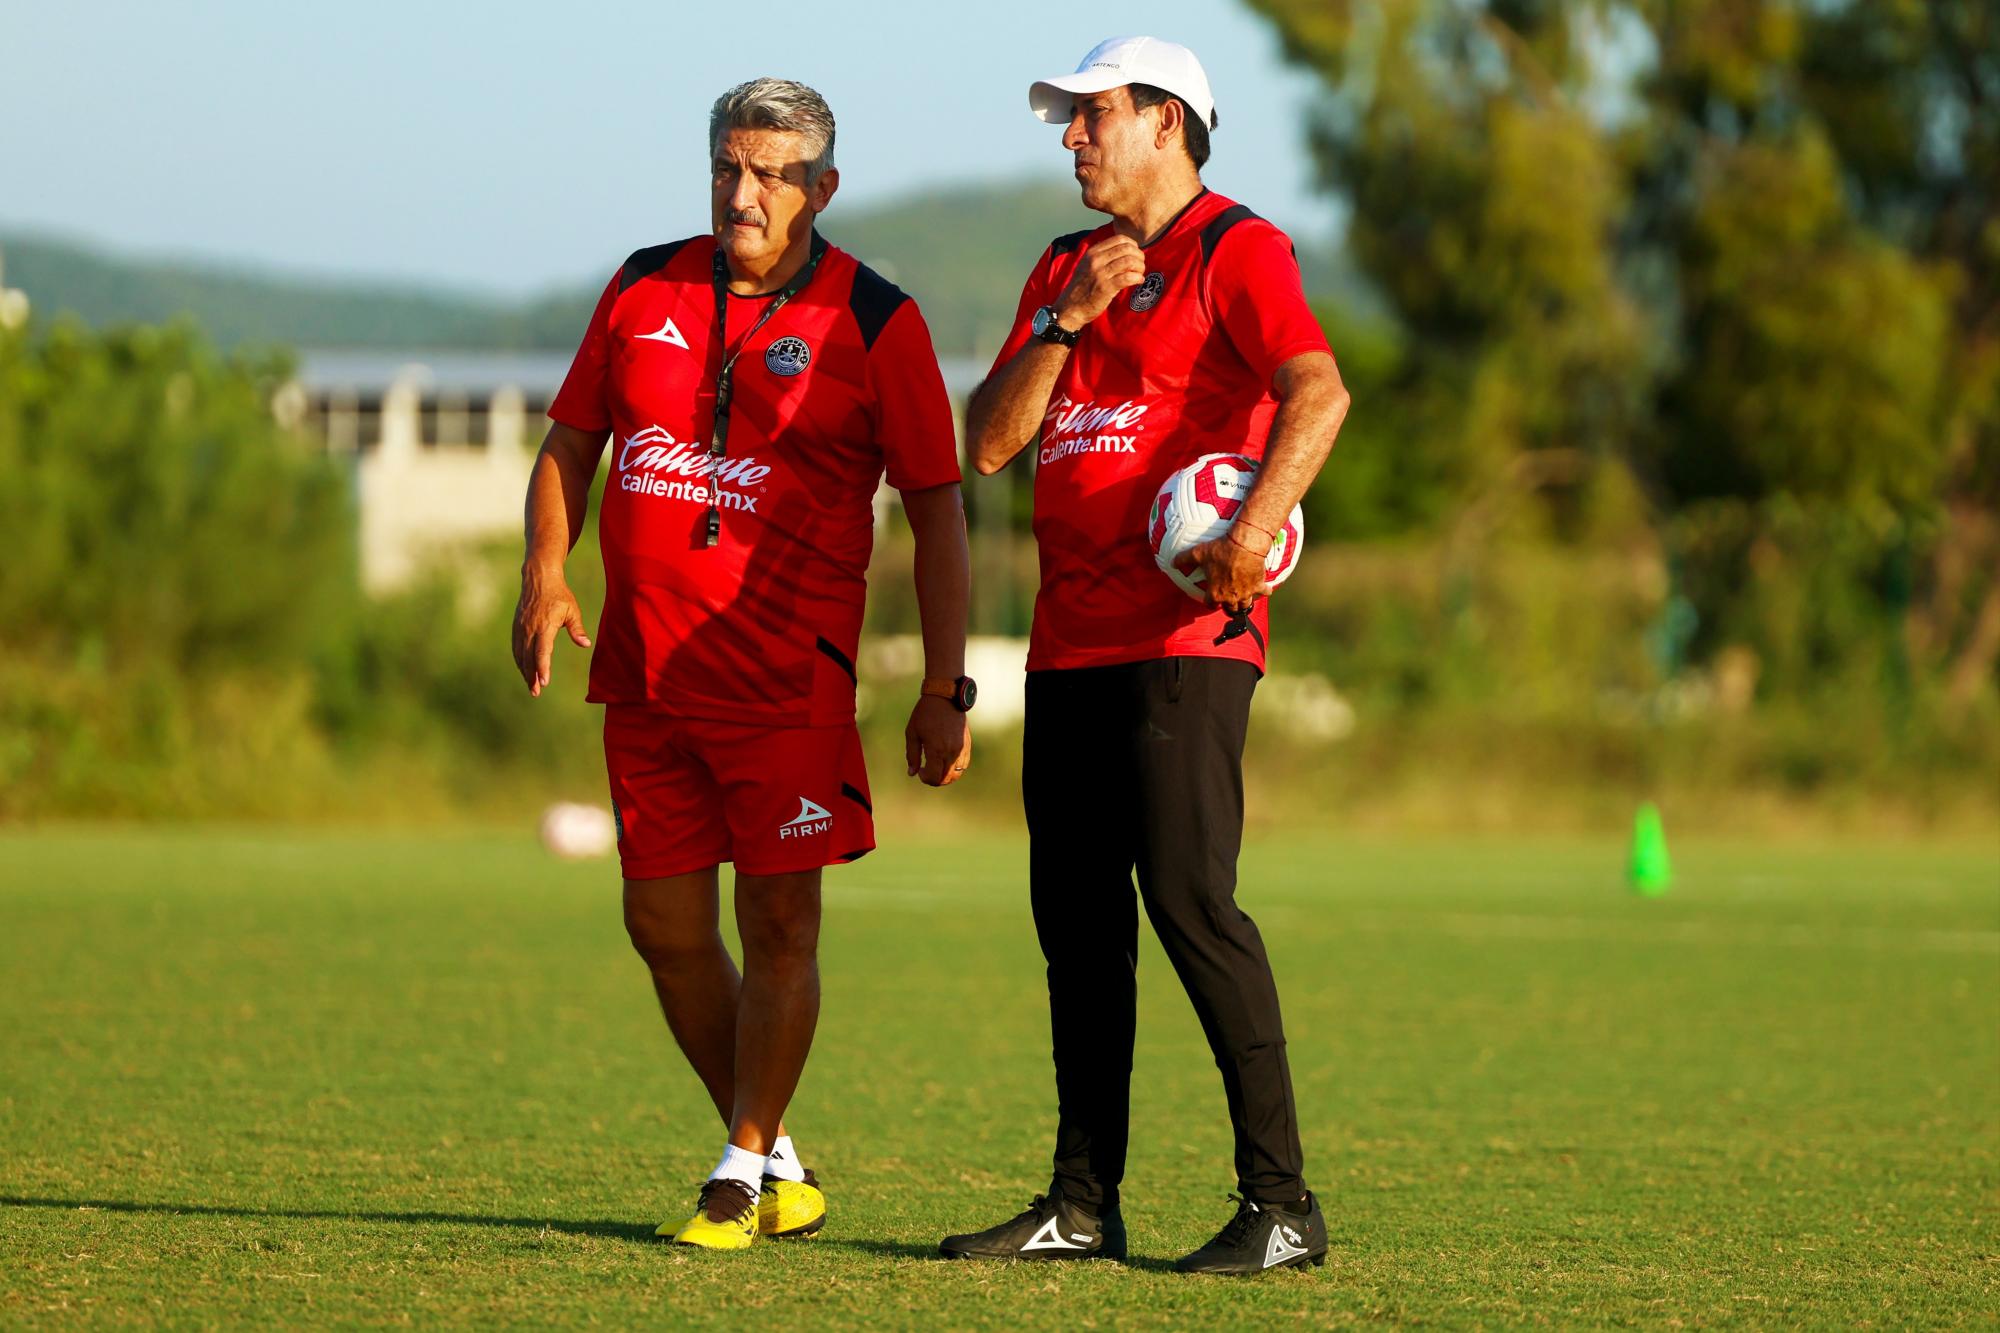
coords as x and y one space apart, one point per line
718 446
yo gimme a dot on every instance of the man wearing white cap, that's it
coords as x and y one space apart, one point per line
1178 329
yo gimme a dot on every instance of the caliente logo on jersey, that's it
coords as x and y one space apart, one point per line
1070 427
653 462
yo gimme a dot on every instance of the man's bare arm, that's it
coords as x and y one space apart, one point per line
1006 412
558 499
559 492
1312 404
937 743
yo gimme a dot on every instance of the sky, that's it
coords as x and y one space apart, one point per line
517 145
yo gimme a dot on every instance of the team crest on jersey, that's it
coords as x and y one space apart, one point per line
1147 294
787 356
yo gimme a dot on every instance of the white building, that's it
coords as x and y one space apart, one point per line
443 442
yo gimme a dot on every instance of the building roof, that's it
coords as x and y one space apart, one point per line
325 370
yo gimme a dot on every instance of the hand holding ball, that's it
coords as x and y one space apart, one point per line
1198 504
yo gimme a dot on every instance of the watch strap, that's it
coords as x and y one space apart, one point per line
1052 330
959 692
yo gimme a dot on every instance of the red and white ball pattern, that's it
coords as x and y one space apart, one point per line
1198 503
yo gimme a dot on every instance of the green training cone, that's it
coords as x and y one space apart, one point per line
1650 872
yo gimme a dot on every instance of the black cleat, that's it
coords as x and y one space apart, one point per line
1052 1228
1260 1237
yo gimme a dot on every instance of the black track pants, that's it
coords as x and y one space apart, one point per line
1141 765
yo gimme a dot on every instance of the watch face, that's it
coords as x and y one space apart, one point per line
968 693
1042 320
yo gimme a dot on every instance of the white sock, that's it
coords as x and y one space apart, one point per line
783 1162
740 1164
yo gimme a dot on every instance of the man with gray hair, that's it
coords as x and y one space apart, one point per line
758 383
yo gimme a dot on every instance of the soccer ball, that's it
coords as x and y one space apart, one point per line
1198 503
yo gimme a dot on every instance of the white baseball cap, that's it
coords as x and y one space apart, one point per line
1123 60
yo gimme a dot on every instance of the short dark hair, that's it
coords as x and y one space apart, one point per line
1145 95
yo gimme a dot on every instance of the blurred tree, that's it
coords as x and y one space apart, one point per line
188 632
1748 247
172 554
155 512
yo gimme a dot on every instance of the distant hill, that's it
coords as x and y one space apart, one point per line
239 306
962 252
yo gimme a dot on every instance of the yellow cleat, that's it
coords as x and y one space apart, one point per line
725 1218
790 1207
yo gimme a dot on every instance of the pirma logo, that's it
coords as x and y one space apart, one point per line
811 820
668 332
1050 1238
1285 1244
788 356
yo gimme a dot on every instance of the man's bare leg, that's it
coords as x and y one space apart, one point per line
674 924
778 918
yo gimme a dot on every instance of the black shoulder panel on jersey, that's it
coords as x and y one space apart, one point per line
644 263
873 299
1062 245
1212 234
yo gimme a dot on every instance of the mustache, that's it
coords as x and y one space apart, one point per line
750 216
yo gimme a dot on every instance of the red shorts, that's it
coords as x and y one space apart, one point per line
690 793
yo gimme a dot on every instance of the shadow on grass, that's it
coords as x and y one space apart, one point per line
636 1232
903 1249
887 1249
631 1231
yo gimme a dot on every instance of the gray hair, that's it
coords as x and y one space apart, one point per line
777 104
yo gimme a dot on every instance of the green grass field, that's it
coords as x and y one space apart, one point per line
360 1078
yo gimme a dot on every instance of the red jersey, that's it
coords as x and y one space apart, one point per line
838 385
1178 367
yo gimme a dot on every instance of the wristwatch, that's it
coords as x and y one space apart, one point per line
962 692
1046 328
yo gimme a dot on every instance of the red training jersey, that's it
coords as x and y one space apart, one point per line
838 385
1177 367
